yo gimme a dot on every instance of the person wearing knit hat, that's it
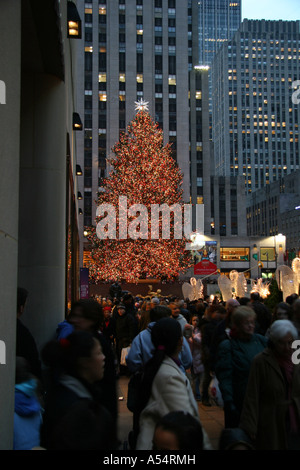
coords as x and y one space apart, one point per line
121 307
155 301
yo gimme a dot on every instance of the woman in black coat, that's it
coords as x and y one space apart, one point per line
74 418
87 315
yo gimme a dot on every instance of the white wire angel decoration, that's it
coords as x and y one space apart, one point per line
239 283
225 286
287 281
235 286
296 269
192 290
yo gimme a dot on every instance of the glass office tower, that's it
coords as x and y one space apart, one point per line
255 122
218 21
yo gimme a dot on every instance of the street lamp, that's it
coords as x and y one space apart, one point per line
280 248
77 124
78 170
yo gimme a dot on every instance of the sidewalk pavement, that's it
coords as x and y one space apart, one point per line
212 418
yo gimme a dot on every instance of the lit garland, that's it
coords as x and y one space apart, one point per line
145 172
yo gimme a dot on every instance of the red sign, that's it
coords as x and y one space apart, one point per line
204 268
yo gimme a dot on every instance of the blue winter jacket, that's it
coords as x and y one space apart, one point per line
27 416
64 329
142 350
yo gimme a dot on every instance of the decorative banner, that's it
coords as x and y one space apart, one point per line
84 283
207 252
204 268
205 259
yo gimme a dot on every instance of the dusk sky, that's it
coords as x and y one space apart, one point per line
271 9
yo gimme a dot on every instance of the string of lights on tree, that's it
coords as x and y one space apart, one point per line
144 171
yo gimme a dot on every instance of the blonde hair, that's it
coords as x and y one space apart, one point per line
241 313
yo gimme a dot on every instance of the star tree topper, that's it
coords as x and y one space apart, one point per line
141 105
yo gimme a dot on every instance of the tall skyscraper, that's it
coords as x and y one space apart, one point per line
218 21
255 122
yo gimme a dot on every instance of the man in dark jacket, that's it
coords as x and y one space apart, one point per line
128 302
124 331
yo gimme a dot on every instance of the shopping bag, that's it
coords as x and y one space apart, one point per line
124 354
214 392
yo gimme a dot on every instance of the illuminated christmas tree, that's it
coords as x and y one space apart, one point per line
129 242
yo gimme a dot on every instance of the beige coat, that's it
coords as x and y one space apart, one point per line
265 405
171 391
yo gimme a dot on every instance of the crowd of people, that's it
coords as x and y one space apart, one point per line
171 350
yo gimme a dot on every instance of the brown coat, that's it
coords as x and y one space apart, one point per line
265 405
